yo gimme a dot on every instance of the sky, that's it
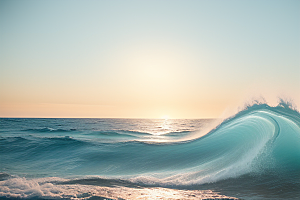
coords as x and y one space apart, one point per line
146 59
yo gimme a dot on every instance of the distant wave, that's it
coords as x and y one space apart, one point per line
119 133
47 129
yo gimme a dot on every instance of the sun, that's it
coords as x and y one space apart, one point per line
165 117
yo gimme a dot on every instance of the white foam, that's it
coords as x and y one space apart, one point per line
46 188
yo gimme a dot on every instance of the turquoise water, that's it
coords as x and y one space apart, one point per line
252 155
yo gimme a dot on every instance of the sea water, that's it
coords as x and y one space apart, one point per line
254 154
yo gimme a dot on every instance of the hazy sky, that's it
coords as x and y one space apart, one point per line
145 59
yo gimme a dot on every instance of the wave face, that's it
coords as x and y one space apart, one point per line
254 154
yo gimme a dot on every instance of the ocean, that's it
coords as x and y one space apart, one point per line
254 154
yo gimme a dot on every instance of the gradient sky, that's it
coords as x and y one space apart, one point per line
146 59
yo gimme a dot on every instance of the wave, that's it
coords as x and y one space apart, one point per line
120 133
258 139
259 147
21 150
47 129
